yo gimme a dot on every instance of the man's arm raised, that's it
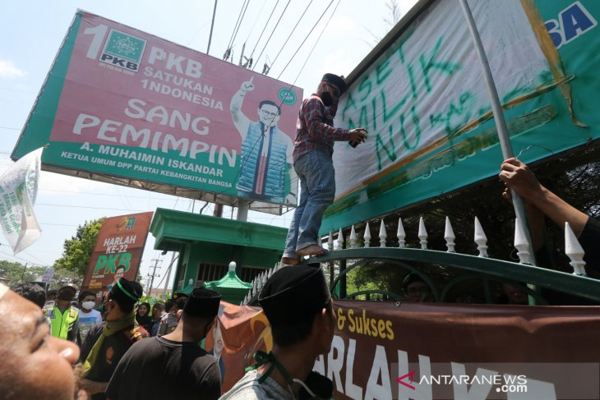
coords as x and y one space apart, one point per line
240 121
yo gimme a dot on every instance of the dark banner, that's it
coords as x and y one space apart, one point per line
423 352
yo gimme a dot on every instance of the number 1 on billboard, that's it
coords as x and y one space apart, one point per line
99 33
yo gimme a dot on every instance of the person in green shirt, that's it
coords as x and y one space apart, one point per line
64 319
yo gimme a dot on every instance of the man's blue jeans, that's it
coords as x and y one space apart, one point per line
317 190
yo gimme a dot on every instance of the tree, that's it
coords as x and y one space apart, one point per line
394 13
15 272
79 248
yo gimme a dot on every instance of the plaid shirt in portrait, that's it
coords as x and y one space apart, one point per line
314 129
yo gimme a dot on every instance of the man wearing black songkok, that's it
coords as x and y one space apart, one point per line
313 150
173 366
106 343
297 303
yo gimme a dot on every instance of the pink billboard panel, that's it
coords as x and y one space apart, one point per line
137 106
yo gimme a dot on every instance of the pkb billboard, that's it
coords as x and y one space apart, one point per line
118 251
127 107
422 96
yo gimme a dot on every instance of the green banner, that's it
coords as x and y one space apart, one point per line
424 102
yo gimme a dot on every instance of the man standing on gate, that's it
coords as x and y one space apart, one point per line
312 153
266 151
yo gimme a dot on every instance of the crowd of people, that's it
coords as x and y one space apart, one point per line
117 359
112 343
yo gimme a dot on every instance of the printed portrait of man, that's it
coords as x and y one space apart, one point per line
266 151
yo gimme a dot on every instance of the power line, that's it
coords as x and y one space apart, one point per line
35 257
90 207
254 25
263 31
272 32
16 257
305 39
240 24
42 224
236 28
291 33
316 42
102 194
10 128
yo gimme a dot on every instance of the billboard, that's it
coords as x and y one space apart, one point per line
127 107
422 96
120 242
462 351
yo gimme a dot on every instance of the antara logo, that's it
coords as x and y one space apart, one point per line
407 379
504 383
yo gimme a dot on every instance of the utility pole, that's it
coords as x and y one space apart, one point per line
173 259
212 25
155 261
23 273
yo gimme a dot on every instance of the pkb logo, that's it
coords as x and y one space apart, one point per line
123 50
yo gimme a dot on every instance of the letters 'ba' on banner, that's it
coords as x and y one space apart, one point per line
130 108
422 97
18 190
118 251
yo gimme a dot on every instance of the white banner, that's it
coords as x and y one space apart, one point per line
18 190
428 85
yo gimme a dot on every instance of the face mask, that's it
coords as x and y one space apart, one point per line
326 99
88 305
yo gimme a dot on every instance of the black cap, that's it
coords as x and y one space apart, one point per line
126 292
294 293
336 81
202 303
66 293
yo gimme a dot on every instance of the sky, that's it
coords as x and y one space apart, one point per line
32 32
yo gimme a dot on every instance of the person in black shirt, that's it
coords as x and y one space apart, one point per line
173 366
105 344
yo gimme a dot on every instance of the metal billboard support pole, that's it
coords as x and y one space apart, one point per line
243 206
501 129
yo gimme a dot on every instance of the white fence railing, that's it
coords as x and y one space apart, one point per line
573 248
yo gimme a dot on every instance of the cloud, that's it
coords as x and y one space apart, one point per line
64 185
10 70
342 24
340 62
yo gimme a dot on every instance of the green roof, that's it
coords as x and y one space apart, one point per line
231 287
173 228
